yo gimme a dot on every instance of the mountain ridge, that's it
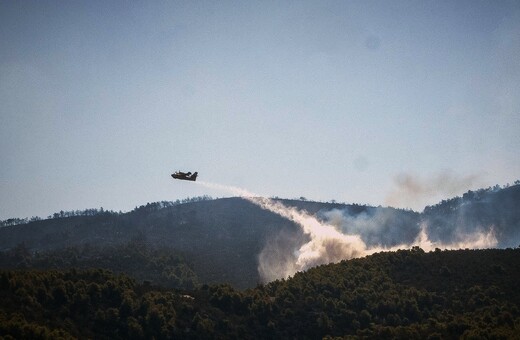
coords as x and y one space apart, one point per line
223 238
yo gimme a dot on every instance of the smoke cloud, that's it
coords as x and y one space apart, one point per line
326 244
475 240
339 235
414 192
376 226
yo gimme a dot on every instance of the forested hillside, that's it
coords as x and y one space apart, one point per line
495 207
187 270
136 259
408 294
220 238
219 241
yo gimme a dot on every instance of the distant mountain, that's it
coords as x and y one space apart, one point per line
477 211
221 239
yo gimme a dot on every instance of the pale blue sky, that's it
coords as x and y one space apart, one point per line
101 100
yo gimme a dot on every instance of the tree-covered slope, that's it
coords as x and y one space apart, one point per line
136 259
481 210
404 294
221 239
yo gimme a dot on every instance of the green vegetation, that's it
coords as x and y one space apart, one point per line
477 211
220 239
404 294
187 270
136 258
149 207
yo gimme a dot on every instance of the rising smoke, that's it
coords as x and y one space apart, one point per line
326 244
338 235
412 191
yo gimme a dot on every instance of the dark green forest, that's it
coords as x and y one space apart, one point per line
135 258
219 240
408 294
189 269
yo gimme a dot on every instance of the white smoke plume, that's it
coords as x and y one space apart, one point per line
476 240
328 242
234 190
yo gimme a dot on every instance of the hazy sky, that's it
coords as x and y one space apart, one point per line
397 103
